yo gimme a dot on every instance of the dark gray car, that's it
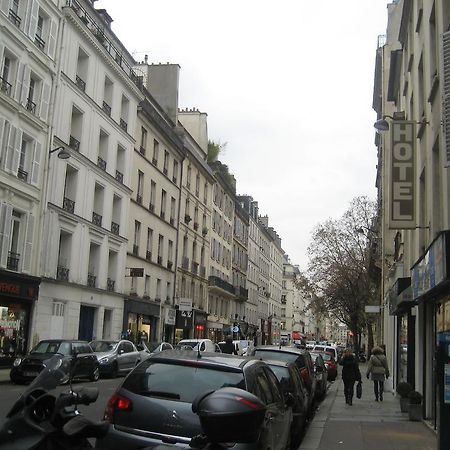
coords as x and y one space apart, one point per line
154 403
116 357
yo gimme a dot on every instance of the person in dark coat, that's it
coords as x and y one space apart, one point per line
350 374
228 347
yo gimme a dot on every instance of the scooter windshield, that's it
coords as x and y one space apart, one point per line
53 374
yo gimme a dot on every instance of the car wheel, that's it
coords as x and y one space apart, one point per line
114 370
95 375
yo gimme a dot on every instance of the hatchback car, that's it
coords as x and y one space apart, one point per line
78 360
302 359
331 365
321 374
292 384
154 403
147 349
116 357
202 345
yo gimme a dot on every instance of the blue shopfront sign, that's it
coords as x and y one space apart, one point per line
431 269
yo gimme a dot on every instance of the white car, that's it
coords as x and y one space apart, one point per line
204 345
243 347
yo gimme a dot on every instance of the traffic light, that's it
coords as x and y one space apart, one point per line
199 327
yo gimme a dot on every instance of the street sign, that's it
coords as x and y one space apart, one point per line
185 304
186 313
372 309
136 271
235 329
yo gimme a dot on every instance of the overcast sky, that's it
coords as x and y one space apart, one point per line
287 84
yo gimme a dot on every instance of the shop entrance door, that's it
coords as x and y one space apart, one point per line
86 325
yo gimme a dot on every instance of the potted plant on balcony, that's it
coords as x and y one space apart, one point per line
403 389
415 406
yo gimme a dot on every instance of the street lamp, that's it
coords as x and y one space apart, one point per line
383 125
62 154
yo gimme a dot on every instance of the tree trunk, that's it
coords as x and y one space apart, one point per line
370 342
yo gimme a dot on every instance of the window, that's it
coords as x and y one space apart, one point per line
160 248
107 96
197 185
6 86
163 204
188 178
82 69
149 243
170 251
137 237
143 140
125 110
175 171
152 196
166 162
155 152
158 290
140 187
172 210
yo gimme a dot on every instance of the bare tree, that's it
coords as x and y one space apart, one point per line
338 275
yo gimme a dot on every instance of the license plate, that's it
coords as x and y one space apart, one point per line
30 374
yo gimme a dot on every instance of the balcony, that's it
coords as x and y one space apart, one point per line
154 161
101 163
12 262
174 179
110 284
106 108
165 171
68 205
91 280
22 174
97 219
196 226
39 42
194 267
115 228
135 250
119 176
160 260
142 150
139 198
172 221
162 214
185 263
74 143
187 218
168 302
169 264
203 271
123 125
80 83
151 207
241 293
62 273
221 286
31 106
5 87
148 255
14 18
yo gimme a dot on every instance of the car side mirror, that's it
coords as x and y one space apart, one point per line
121 351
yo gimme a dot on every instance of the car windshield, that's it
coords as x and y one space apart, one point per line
192 344
103 346
152 346
326 357
52 348
163 380
278 356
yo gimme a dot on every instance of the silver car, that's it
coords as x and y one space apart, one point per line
147 349
116 357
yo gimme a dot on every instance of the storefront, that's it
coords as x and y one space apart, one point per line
17 296
200 324
215 331
140 320
183 325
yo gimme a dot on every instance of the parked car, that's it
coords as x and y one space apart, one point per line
154 403
147 349
321 374
331 365
243 347
301 357
202 345
292 383
78 357
326 348
116 357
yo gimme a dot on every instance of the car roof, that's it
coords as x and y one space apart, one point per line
206 358
63 340
283 348
275 362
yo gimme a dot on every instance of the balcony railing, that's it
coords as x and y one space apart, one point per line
14 18
31 106
39 42
195 226
97 219
80 83
185 263
194 267
91 280
12 262
74 143
22 174
123 125
241 292
110 284
222 284
115 228
68 205
119 176
154 161
139 198
106 108
101 163
172 221
62 273
162 214
148 255
135 250
165 170
142 150
203 271
151 207
169 264
5 87
160 260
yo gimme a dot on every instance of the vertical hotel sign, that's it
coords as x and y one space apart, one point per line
403 167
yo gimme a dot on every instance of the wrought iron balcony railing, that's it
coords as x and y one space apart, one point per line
39 42
22 174
119 176
14 18
5 87
97 219
74 143
31 106
160 260
203 271
12 262
101 163
135 250
80 83
222 284
106 108
194 267
148 255
115 228
139 198
91 280
62 273
68 205
185 263
123 125
110 284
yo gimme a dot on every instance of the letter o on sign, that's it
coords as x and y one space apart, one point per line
403 151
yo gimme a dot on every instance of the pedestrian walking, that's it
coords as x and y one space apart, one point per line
228 347
379 370
350 374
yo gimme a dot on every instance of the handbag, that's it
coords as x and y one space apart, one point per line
359 390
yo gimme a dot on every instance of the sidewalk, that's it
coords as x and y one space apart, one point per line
4 376
367 425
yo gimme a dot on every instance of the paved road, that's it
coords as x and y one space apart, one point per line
9 393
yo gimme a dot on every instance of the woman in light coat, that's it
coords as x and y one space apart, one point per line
379 369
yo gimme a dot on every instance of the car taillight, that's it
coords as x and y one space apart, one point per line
116 403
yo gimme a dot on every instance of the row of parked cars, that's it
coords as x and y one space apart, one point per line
153 404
